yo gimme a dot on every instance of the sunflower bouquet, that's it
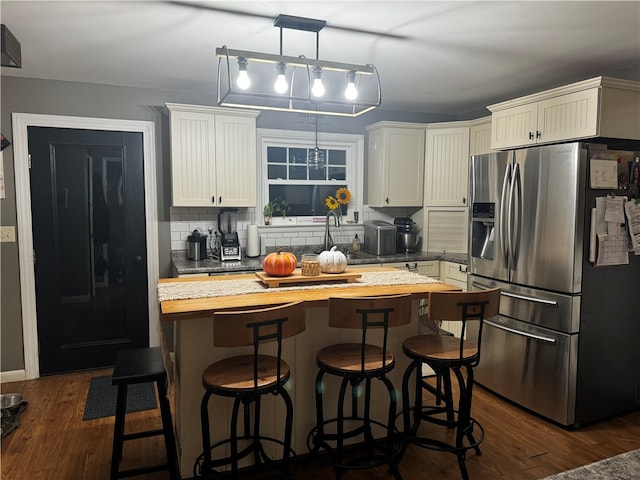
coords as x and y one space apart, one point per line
342 197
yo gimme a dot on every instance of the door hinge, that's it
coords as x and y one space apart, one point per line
29 160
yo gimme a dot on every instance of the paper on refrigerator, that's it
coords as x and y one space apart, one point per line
632 212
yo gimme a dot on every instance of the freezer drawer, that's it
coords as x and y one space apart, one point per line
542 308
532 366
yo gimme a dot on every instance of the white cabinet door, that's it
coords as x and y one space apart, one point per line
193 153
570 116
453 274
514 126
447 167
236 163
395 166
480 138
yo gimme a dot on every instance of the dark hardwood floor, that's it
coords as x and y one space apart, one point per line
53 442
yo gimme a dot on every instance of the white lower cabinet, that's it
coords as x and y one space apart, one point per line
454 274
430 268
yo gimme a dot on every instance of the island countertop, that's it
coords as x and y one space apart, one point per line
199 307
192 322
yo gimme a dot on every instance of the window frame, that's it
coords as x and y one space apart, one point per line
353 144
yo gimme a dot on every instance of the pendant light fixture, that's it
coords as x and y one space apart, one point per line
316 157
298 84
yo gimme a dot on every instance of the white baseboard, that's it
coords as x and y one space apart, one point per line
13 376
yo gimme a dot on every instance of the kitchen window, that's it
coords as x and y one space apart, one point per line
290 174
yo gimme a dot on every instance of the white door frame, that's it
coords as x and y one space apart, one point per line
21 121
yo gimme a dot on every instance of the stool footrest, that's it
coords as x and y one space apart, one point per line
145 434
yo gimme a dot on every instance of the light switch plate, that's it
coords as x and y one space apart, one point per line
8 234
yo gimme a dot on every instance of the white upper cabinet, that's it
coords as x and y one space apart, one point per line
446 165
395 164
599 107
213 156
480 136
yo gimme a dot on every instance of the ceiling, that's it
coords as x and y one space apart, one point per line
436 57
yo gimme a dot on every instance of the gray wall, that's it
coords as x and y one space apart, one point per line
106 101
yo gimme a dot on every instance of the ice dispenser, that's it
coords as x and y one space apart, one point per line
482 230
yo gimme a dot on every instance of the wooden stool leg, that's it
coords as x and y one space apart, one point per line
118 432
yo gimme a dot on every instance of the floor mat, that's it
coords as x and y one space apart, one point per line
102 396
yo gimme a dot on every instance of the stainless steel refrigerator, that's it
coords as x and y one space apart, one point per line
565 344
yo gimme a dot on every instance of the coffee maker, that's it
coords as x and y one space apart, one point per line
228 242
407 237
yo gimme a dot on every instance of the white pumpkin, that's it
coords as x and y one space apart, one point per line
332 261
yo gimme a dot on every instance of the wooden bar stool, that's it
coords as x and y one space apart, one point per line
355 364
246 378
447 354
142 365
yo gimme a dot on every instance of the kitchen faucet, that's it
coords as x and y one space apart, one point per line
328 242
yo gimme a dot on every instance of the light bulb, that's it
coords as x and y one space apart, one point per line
318 88
243 81
281 85
351 92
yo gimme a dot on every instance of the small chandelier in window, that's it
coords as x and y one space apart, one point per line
316 157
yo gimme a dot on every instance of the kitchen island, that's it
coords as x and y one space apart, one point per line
194 349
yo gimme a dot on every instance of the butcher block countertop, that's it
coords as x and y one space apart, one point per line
184 308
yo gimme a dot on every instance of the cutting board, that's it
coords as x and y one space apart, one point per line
297 277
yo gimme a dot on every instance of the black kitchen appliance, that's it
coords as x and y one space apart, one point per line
197 246
228 242
407 237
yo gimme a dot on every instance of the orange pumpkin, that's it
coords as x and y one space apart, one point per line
280 264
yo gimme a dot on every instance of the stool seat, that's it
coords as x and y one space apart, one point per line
236 374
346 358
439 348
142 365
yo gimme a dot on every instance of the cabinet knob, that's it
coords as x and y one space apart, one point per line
386 199
530 135
213 200
538 134
464 200
220 200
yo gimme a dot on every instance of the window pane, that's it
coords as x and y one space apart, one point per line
276 155
298 172
298 155
337 157
276 171
338 173
317 173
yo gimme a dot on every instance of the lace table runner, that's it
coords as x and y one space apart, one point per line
200 289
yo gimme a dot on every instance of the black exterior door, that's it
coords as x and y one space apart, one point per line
87 202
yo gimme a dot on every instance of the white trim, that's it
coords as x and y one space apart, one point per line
353 143
12 376
21 121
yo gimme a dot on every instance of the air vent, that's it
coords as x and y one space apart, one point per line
11 56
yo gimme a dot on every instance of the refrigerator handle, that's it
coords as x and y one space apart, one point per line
530 299
515 218
518 332
504 251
